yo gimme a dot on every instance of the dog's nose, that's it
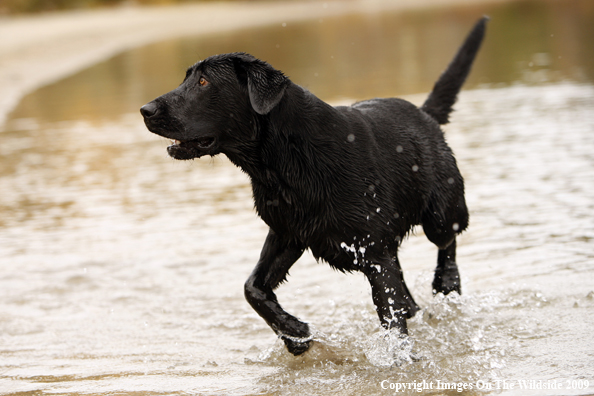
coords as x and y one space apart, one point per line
148 110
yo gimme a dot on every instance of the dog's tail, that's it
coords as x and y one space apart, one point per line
440 101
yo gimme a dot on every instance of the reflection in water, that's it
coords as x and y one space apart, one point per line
121 270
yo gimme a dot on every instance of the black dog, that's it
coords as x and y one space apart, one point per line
346 182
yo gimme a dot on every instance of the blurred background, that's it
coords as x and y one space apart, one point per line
33 6
122 270
350 57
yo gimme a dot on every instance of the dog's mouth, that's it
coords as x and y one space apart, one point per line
190 149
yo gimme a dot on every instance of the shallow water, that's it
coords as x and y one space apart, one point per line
121 270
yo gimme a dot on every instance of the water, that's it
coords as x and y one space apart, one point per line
121 270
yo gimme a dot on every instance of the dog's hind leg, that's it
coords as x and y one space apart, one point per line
275 260
447 277
393 301
442 231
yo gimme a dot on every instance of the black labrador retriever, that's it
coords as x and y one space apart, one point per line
346 182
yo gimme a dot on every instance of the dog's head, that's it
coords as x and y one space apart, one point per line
215 108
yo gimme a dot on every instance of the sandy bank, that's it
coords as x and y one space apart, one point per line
37 50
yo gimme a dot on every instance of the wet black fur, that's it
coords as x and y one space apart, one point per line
346 182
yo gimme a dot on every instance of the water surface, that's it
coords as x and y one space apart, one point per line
121 270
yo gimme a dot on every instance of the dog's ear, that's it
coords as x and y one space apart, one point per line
266 85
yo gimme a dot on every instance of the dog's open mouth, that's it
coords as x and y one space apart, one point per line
185 150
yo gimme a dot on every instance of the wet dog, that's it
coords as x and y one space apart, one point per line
346 182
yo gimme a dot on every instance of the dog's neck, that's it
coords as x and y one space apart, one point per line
289 145
286 138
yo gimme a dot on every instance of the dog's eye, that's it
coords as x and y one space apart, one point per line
202 81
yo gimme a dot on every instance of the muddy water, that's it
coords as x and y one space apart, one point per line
121 270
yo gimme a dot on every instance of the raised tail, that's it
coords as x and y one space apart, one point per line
441 100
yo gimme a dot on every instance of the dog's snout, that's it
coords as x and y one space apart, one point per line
149 110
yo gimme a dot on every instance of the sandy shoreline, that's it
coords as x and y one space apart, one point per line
36 50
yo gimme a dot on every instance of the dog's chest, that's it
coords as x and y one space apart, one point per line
285 213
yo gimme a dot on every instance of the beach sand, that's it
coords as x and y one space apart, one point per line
37 50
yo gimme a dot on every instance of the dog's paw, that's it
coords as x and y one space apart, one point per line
297 346
447 280
296 336
447 283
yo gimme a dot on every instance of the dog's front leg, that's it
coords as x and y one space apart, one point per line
393 301
275 260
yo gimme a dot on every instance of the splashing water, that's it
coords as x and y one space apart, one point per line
389 348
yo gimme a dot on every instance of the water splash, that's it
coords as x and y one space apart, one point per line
389 348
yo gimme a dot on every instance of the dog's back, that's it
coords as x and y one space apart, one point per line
388 168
